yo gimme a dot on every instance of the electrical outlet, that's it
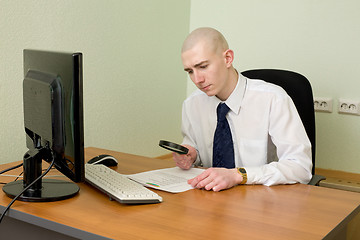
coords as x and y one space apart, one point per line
323 104
349 106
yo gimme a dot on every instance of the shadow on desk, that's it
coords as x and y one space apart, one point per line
353 228
13 229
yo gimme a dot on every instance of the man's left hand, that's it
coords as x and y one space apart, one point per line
216 179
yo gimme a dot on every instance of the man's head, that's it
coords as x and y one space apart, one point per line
210 36
208 60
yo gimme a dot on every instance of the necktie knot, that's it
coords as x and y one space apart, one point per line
222 110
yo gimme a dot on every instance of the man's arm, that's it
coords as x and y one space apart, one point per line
293 148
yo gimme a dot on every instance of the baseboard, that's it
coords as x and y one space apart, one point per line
339 180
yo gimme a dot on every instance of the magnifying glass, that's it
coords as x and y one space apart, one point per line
173 147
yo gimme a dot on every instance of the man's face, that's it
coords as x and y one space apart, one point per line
207 69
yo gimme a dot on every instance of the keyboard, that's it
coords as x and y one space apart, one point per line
117 186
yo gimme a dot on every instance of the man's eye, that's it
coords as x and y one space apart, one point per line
203 66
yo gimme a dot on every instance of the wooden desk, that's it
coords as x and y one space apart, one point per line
243 212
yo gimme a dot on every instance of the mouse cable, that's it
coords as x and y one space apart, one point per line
25 189
19 176
11 168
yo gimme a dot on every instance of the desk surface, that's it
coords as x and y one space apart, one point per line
247 212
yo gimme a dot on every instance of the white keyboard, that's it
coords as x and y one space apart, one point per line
118 186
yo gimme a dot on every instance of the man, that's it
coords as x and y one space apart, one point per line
268 142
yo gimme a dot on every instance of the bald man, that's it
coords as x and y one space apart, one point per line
270 145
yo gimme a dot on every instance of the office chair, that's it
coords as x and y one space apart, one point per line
299 89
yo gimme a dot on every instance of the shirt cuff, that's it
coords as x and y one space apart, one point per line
252 172
198 161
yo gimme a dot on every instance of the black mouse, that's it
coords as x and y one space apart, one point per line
104 159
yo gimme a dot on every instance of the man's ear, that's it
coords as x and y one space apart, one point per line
229 57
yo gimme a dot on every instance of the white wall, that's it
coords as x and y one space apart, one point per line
320 39
134 84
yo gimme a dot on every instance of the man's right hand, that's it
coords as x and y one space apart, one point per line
185 161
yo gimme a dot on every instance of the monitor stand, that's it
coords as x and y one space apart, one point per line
44 190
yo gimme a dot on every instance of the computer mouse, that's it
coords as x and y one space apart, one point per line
104 159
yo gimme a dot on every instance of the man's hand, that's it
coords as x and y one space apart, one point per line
216 179
185 161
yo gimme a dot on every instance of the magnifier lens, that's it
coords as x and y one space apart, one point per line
173 147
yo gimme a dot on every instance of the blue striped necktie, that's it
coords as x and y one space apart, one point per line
223 147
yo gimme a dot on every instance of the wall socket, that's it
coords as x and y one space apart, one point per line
323 104
349 106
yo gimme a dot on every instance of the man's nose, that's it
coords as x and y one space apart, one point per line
198 77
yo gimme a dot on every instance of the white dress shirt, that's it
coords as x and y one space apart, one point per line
270 141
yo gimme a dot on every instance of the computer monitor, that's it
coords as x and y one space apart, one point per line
53 121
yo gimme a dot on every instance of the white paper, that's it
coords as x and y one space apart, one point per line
172 180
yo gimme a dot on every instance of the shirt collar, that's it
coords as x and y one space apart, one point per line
235 99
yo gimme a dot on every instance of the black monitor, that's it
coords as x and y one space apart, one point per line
53 121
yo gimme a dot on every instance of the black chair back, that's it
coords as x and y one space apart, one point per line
299 89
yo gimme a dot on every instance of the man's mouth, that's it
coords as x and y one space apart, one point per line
206 88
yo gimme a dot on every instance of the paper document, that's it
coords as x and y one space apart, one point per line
169 179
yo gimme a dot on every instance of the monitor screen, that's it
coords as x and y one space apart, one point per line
53 121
